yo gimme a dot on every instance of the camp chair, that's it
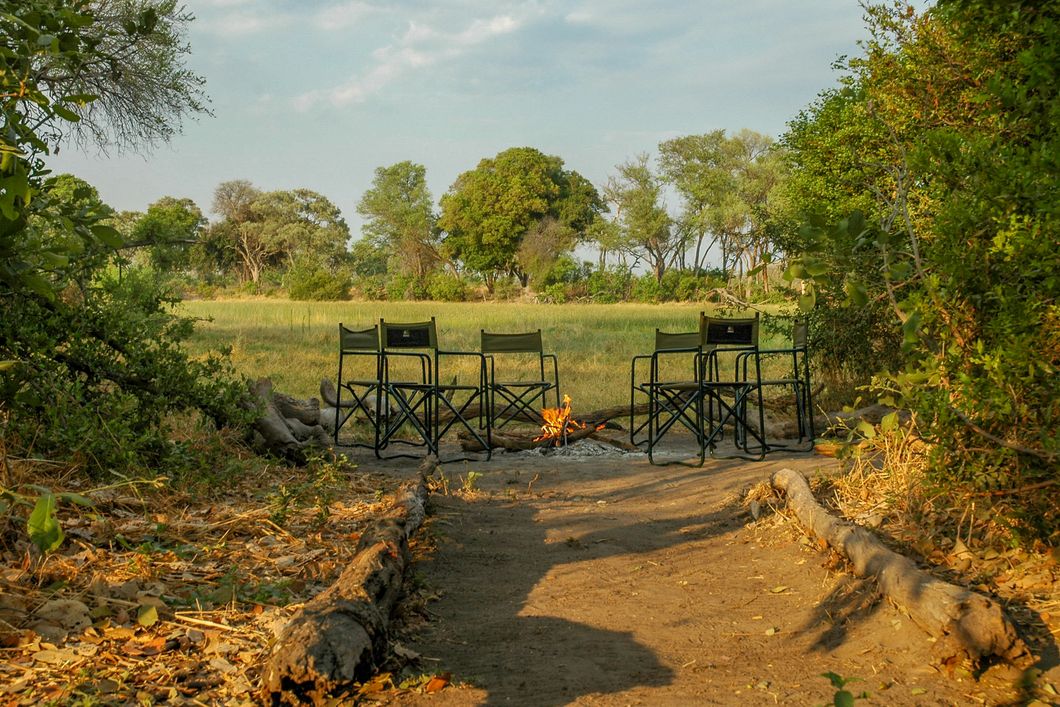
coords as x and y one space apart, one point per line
671 398
797 380
359 386
412 379
520 389
725 397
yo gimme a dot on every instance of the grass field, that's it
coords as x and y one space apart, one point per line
295 343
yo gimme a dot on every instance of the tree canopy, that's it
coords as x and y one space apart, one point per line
489 210
929 183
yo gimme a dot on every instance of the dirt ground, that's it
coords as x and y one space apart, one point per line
606 580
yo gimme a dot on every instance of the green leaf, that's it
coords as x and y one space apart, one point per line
795 271
147 615
80 99
43 527
856 292
808 300
108 235
45 40
38 284
66 113
816 268
843 698
76 498
866 429
889 422
4 365
837 680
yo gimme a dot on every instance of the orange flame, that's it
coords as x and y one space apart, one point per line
558 423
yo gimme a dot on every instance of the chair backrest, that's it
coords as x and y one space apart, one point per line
529 342
358 339
408 335
723 332
683 340
800 334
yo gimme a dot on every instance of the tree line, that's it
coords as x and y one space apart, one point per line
511 224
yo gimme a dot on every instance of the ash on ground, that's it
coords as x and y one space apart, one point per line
582 449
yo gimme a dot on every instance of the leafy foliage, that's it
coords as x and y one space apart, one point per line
948 152
99 357
490 210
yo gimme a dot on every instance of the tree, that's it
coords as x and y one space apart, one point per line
489 210
635 195
168 230
727 185
91 364
274 229
954 127
399 217
122 73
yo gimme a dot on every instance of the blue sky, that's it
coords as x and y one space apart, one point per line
318 93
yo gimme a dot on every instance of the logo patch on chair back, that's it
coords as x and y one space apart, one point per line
730 333
408 337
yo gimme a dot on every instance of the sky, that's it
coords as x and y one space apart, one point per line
319 93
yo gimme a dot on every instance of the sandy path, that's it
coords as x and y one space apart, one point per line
615 582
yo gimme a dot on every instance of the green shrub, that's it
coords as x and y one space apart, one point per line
446 287
646 289
609 286
312 281
401 287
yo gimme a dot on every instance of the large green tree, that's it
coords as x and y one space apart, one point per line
90 363
399 218
489 211
727 186
951 122
636 200
168 231
275 229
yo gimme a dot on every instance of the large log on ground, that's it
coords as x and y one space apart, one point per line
339 636
965 623
284 424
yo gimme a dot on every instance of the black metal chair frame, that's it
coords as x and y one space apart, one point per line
739 336
359 343
798 381
669 401
421 398
517 397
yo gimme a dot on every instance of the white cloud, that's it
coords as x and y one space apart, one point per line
343 15
420 46
235 24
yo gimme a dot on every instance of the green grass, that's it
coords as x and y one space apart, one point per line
295 343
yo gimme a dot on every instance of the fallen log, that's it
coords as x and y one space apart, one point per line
965 623
339 636
285 426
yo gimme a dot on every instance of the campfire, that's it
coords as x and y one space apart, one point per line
558 424
560 429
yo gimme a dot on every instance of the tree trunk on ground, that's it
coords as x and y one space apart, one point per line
965 622
286 426
339 636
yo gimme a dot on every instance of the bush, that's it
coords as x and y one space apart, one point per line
646 289
446 287
401 287
554 294
312 281
609 286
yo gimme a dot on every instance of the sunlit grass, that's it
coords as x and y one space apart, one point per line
295 343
